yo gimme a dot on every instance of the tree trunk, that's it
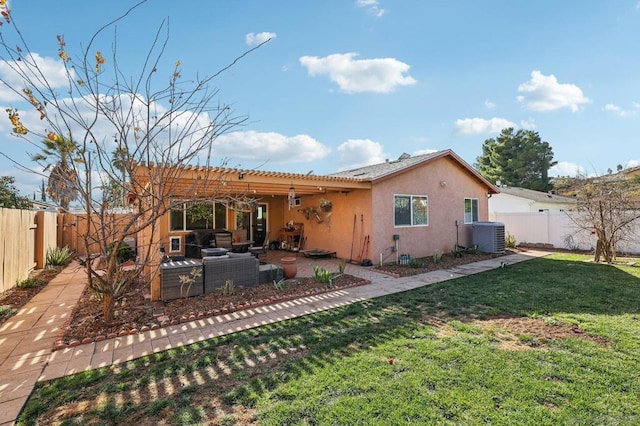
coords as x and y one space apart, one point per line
107 308
598 254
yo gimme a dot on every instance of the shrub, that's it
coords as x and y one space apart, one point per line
570 243
321 275
30 282
325 276
188 280
510 241
229 288
125 252
6 312
437 256
57 256
279 285
416 263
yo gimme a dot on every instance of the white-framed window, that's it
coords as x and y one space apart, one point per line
470 210
411 210
175 244
198 215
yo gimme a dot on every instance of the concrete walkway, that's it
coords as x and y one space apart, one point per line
27 338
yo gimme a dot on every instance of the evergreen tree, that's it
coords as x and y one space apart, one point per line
518 159
9 197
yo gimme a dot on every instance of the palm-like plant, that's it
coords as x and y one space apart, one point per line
121 162
58 155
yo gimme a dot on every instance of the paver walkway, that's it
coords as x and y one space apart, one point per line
27 338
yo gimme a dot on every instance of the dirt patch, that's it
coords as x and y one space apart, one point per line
539 328
135 312
521 333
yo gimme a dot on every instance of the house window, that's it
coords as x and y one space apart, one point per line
411 210
470 210
198 215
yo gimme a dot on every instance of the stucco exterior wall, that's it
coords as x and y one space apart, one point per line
447 185
334 230
358 215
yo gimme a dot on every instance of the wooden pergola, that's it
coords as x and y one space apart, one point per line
203 182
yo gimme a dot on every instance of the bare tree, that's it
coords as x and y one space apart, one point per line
606 210
151 128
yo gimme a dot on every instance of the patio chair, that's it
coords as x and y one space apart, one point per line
223 240
257 251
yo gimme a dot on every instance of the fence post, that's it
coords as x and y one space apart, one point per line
39 241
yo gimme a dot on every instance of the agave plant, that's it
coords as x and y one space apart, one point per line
57 256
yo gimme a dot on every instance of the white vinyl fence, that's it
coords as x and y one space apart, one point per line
556 229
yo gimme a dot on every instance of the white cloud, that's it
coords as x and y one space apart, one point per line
477 126
632 163
253 39
269 146
528 124
489 104
53 70
381 75
544 93
371 6
356 153
624 113
564 168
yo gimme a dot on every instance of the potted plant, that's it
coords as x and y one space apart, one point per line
325 205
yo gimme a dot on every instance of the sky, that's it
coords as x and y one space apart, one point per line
347 83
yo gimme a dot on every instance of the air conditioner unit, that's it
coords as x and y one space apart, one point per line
489 236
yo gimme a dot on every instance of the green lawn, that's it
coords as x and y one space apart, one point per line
449 364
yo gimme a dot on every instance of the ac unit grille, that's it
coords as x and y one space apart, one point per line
489 236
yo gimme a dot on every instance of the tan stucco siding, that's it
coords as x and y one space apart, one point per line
334 230
447 185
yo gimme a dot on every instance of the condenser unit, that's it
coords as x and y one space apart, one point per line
489 236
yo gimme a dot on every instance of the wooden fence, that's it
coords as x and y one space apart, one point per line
25 237
72 229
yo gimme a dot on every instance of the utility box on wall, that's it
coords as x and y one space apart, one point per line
489 236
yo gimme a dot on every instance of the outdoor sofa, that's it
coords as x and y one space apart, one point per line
241 268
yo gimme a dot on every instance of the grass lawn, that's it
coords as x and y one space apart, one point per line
450 353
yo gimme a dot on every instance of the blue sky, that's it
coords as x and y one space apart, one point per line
346 83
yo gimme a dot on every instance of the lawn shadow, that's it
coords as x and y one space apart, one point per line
226 377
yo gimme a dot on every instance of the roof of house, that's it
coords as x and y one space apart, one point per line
376 172
530 194
259 181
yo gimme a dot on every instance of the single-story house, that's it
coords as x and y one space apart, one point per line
415 205
523 200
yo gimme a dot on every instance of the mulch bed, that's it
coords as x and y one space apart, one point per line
426 264
135 313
